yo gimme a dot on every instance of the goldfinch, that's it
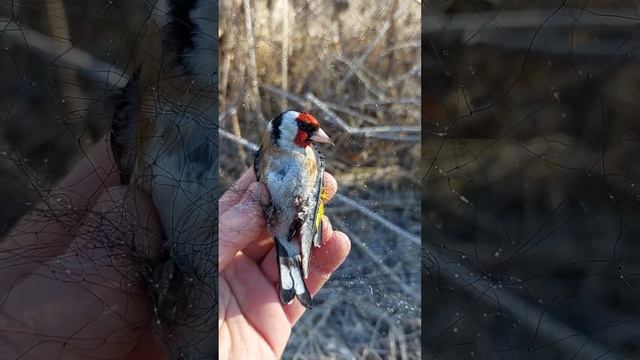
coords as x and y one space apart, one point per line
293 170
164 139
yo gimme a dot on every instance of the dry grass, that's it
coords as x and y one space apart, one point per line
356 66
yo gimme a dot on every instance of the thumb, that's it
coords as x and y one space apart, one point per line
242 223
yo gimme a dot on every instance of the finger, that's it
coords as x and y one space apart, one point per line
236 192
242 224
326 226
52 225
95 305
330 185
254 304
259 248
93 172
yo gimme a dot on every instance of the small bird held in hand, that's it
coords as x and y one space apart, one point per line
293 170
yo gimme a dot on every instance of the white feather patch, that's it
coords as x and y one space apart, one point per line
286 280
297 282
203 59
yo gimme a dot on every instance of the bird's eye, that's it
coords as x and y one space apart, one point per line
306 127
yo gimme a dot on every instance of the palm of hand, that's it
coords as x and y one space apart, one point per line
251 321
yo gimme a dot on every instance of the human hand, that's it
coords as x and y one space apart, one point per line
252 324
69 287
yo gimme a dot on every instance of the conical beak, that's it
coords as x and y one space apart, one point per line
321 137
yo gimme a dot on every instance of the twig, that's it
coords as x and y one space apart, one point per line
505 20
223 116
514 29
382 132
246 143
285 50
401 46
399 101
15 9
224 72
272 89
333 117
71 92
352 112
386 130
363 76
252 69
235 127
65 55
358 63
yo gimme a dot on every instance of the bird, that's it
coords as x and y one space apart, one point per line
292 169
164 140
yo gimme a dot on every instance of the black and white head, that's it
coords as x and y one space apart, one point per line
191 30
294 131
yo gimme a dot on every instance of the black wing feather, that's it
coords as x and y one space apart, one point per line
256 162
124 125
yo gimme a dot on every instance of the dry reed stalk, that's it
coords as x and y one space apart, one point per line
285 51
71 91
235 126
381 33
15 9
224 72
69 56
383 132
254 99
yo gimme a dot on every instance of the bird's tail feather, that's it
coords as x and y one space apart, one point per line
291 279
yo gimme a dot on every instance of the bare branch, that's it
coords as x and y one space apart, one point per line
246 143
252 67
505 21
383 132
65 54
358 63
285 50
59 29
333 117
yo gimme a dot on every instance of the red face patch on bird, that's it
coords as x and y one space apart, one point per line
308 119
307 124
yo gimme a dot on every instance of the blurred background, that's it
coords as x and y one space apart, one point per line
50 108
531 206
355 65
